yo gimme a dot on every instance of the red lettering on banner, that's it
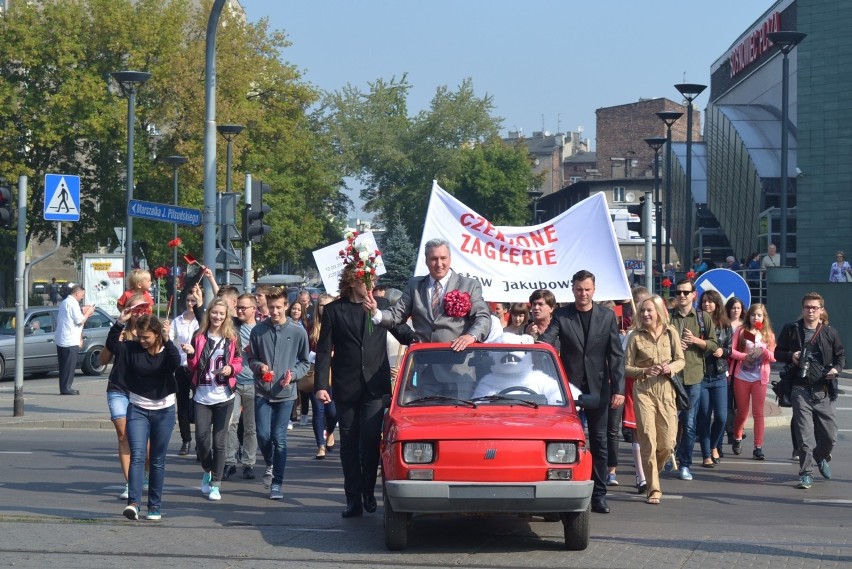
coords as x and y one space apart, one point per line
521 250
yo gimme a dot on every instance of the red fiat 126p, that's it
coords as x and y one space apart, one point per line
492 429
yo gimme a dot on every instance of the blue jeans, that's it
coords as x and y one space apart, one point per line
687 420
271 419
324 418
714 402
143 425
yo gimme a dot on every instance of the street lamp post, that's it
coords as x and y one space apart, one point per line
656 143
535 195
689 91
175 162
229 132
785 41
669 118
129 81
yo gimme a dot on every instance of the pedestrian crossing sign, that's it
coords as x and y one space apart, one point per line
61 197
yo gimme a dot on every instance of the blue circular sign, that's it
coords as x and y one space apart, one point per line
726 282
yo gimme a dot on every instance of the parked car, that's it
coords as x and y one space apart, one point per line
490 430
39 347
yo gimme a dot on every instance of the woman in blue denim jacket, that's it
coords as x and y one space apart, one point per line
713 405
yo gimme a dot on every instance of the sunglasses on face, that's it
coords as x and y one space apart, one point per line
683 292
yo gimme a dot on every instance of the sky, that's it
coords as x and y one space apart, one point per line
548 65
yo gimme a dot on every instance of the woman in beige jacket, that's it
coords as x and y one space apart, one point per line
653 356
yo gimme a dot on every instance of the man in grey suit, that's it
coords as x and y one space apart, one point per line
591 352
423 301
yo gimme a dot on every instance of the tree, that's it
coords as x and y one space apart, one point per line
395 156
399 256
60 112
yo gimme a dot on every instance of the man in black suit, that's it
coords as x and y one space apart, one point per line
354 351
424 300
591 352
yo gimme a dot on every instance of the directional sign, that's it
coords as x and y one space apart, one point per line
61 197
727 283
164 212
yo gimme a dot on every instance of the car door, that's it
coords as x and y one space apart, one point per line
39 347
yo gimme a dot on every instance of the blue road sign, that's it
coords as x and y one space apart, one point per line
61 197
727 283
164 212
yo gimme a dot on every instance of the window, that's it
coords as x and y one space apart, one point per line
575 179
97 320
618 194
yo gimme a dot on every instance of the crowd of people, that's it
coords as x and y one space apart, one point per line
238 365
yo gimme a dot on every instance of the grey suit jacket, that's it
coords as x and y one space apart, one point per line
415 303
594 364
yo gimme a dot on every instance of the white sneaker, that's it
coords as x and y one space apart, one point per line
214 493
685 474
290 426
275 492
267 477
303 422
126 494
205 482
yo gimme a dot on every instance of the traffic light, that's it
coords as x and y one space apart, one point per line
253 227
7 216
637 213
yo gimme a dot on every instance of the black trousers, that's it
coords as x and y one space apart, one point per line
597 421
184 382
67 367
360 424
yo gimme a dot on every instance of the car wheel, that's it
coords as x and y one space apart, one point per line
396 527
2 368
576 526
92 361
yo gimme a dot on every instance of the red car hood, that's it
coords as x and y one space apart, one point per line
485 422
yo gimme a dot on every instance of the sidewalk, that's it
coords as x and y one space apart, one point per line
44 408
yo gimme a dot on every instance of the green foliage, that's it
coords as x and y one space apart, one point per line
60 112
399 256
396 157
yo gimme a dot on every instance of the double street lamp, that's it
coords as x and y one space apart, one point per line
785 41
175 162
656 143
535 195
689 91
669 118
129 81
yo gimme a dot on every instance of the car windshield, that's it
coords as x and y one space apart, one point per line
492 375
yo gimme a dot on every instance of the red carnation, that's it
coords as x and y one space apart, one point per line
268 377
161 273
457 304
758 326
690 275
176 242
667 283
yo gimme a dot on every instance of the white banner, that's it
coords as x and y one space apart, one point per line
330 265
512 262
103 279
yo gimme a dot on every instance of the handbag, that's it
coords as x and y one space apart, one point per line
306 384
681 396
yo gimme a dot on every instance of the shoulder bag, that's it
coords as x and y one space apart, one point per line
681 396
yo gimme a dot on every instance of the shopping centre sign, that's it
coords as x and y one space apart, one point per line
754 45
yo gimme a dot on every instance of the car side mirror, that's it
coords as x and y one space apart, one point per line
28 330
588 401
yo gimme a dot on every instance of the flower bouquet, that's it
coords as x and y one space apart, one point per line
364 260
457 304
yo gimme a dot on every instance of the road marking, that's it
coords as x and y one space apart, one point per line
16 452
843 409
844 430
827 501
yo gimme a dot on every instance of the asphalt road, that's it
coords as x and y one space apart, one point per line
59 506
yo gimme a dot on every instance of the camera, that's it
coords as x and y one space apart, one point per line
805 361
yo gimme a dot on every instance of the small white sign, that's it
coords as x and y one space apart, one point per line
330 265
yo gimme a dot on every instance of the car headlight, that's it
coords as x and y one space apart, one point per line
418 453
562 453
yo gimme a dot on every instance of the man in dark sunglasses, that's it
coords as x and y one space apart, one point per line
697 338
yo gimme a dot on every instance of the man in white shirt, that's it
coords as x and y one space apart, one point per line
69 336
772 258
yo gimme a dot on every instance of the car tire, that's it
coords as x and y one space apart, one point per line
396 527
576 526
2 368
91 361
